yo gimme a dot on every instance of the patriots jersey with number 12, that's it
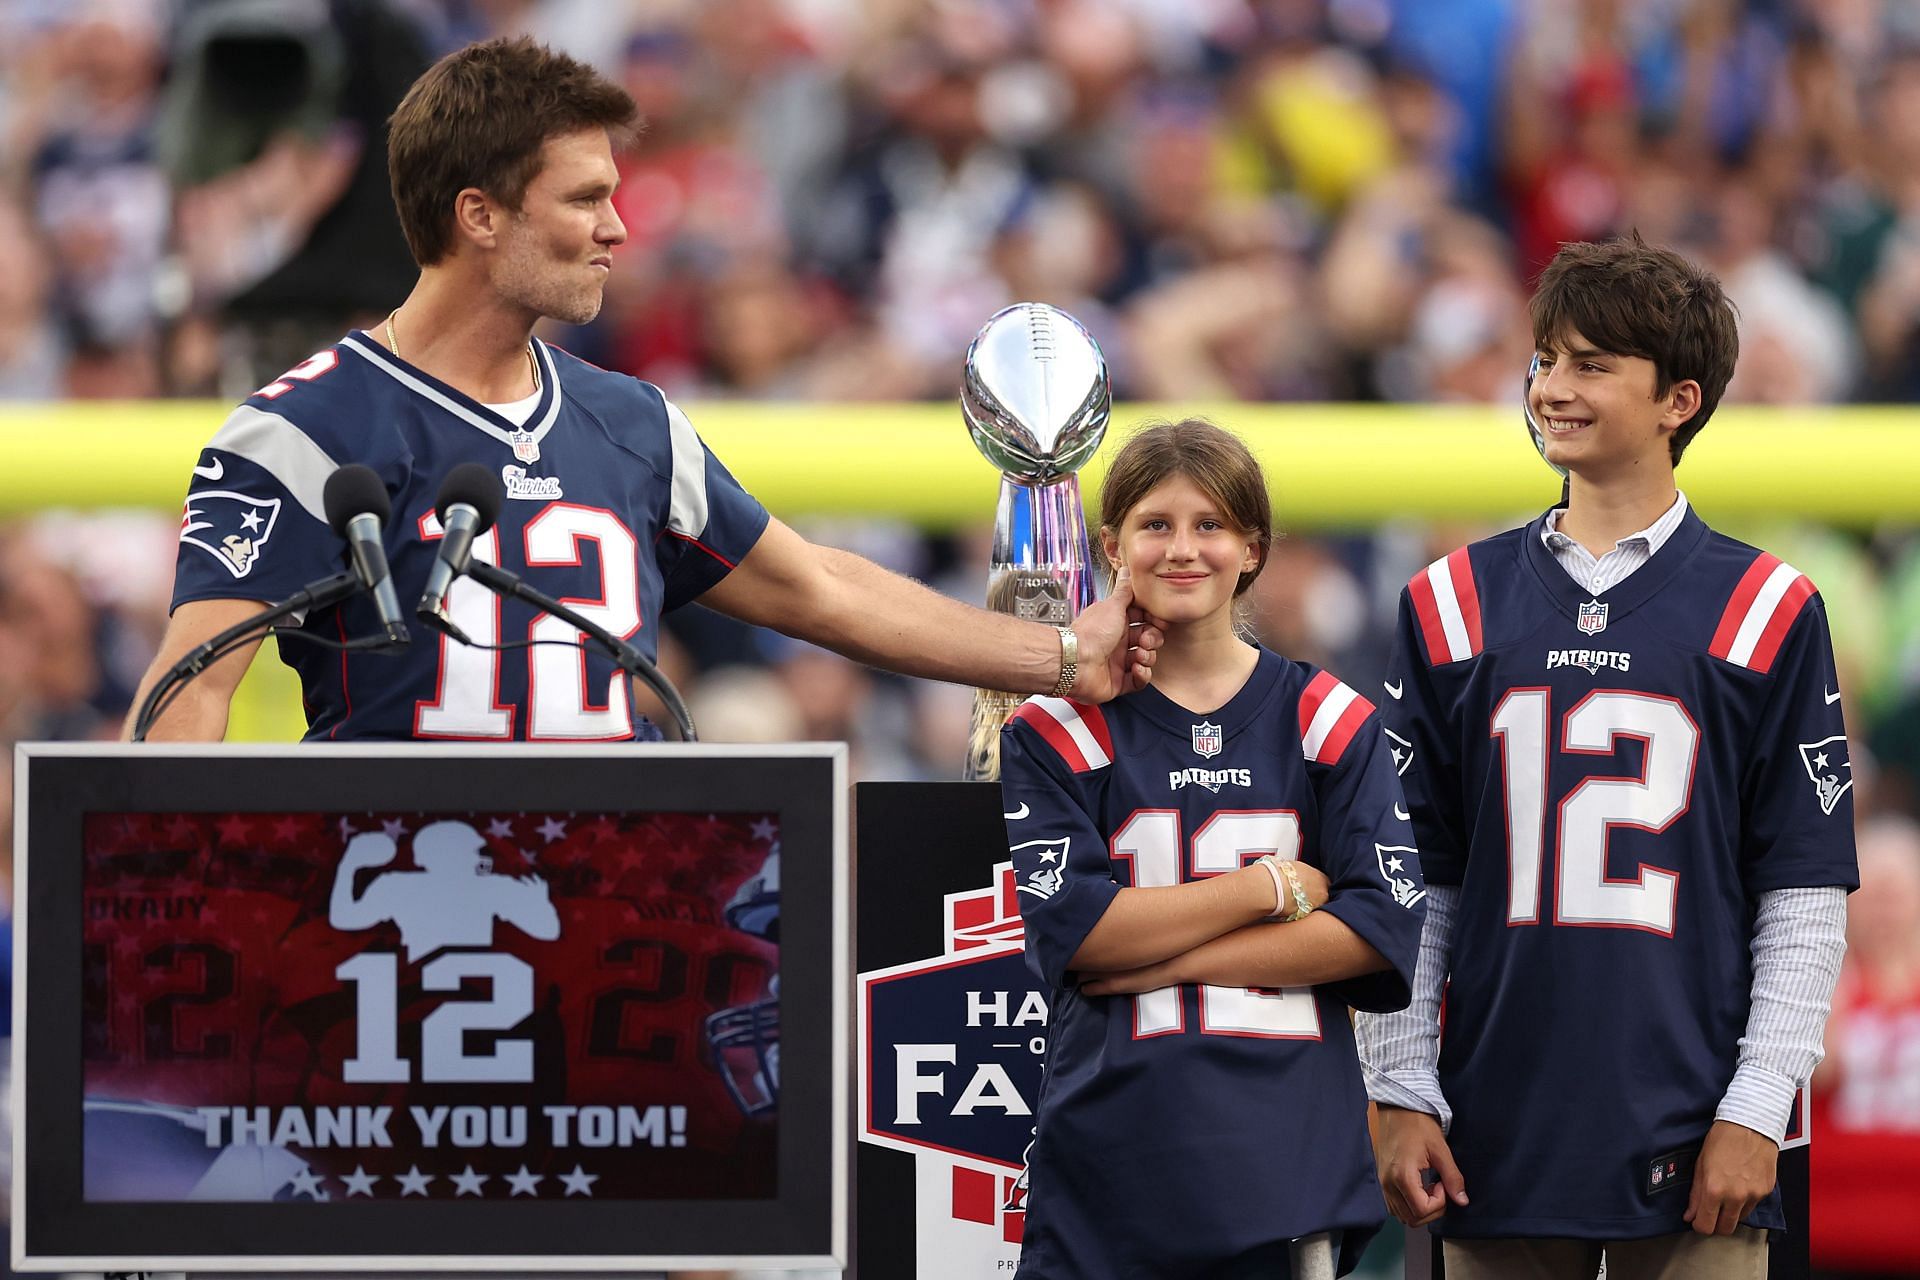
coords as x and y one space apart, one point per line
1186 1127
613 506
1612 782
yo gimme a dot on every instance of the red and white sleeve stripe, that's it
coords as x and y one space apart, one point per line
1330 714
1448 606
1077 730
1756 620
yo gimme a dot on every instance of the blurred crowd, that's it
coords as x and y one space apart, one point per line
1243 199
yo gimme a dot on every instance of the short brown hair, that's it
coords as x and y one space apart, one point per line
479 118
1630 298
1216 460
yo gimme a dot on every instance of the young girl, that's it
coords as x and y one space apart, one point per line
1211 871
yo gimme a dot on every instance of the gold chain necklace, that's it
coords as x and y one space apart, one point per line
533 366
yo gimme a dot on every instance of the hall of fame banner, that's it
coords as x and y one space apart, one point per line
950 1054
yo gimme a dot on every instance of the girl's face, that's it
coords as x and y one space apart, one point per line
1183 552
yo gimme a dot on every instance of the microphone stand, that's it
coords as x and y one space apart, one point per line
315 595
624 655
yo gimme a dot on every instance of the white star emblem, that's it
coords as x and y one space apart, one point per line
1397 756
553 829
468 1183
579 1182
1820 761
764 830
1052 855
523 1182
1394 864
413 1182
250 521
307 1183
360 1182
500 829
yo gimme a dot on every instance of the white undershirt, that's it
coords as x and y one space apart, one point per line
518 411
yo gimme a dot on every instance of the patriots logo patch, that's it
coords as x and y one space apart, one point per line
1830 766
1402 751
1045 880
231 527
1393 859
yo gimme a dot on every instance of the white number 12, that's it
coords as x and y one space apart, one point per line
1583 892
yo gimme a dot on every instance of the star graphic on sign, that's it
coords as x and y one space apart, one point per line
286 830
250 521
346 830
413 1182
1820 761
524 1182
360 1182
468 1183
233 829
553 829
500 829
1394 864
179 828
307 1183
394 828
579 1182
764 830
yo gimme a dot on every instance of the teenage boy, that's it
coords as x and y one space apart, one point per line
1620 739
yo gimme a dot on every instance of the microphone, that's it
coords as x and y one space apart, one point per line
357 507
468 503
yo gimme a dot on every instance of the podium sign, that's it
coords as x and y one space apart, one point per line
951 1036
430 1008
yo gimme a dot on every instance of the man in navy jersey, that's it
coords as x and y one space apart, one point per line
503 175
1620 738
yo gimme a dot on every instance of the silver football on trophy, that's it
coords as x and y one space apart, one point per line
1534 431
1036 394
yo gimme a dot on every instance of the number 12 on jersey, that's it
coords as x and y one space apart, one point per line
1226 841
1584 894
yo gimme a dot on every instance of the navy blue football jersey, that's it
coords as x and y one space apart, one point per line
1612 781
1181 1130
613 505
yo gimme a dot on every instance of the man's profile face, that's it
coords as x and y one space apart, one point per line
1597 410
555 254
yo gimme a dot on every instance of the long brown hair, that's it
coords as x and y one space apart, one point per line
1215 459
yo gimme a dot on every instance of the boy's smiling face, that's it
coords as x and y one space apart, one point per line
1598 413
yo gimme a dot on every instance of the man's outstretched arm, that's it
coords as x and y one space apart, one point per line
849 604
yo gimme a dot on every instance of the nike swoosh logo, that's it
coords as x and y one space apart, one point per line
213 472
1402 814
1393 690
1833 697
1022 812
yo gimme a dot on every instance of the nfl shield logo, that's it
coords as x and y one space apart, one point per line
1206 739
1593 618
525 447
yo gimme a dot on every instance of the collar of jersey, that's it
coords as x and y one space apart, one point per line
1622 597
1236 715
458 403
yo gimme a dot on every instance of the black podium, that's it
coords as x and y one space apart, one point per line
423 1008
